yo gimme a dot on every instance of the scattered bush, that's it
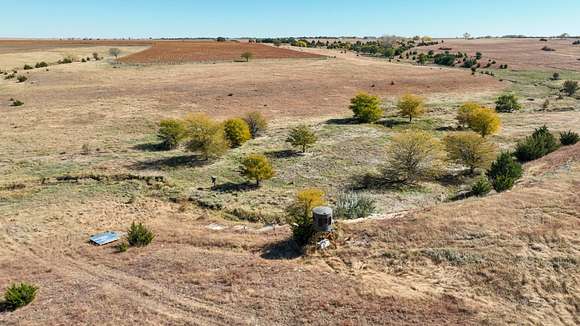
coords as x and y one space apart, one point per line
547 48
570 87
96 56
556 76
221 39
17 103
237 132
366 108
504 172
41 64
20 295
411 106
413 155
569 138
205 136
247 56
21 78
115 52
256 122
507 103
28 67
300 214
577 42
352 205
484 121
481 187
470 149
444 59
539 144
139 235
171 133
122 247
257 167
302 136
65 60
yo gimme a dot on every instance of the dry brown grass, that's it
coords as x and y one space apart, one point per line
518 53
506 258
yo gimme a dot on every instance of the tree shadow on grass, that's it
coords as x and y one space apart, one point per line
235 187
282 154
150 147
342 121
391 123
370 181
172 162
285 249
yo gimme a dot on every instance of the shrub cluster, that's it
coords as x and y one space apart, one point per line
366 108
65 60
28 67
237 132
139 235
350 205
504 172
569 138
171 133
507 103
481 187
300 214
208 137
41 64
539 144
21 78
19 295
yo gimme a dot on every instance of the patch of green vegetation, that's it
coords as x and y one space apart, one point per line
535 83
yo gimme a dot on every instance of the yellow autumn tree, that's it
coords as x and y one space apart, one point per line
465 111
484 121
411 106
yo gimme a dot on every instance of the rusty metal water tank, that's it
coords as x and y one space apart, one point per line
322 218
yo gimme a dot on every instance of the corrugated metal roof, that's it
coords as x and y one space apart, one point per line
105 237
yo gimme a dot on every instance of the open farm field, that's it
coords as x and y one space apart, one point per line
187 51
520 54
82 153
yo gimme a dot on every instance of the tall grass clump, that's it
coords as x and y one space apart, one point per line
569 138
351 205
19 295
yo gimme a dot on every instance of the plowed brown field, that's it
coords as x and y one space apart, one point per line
188 51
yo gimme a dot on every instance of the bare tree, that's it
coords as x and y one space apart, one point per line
466 36
115 52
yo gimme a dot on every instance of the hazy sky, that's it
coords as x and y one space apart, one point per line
260 18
